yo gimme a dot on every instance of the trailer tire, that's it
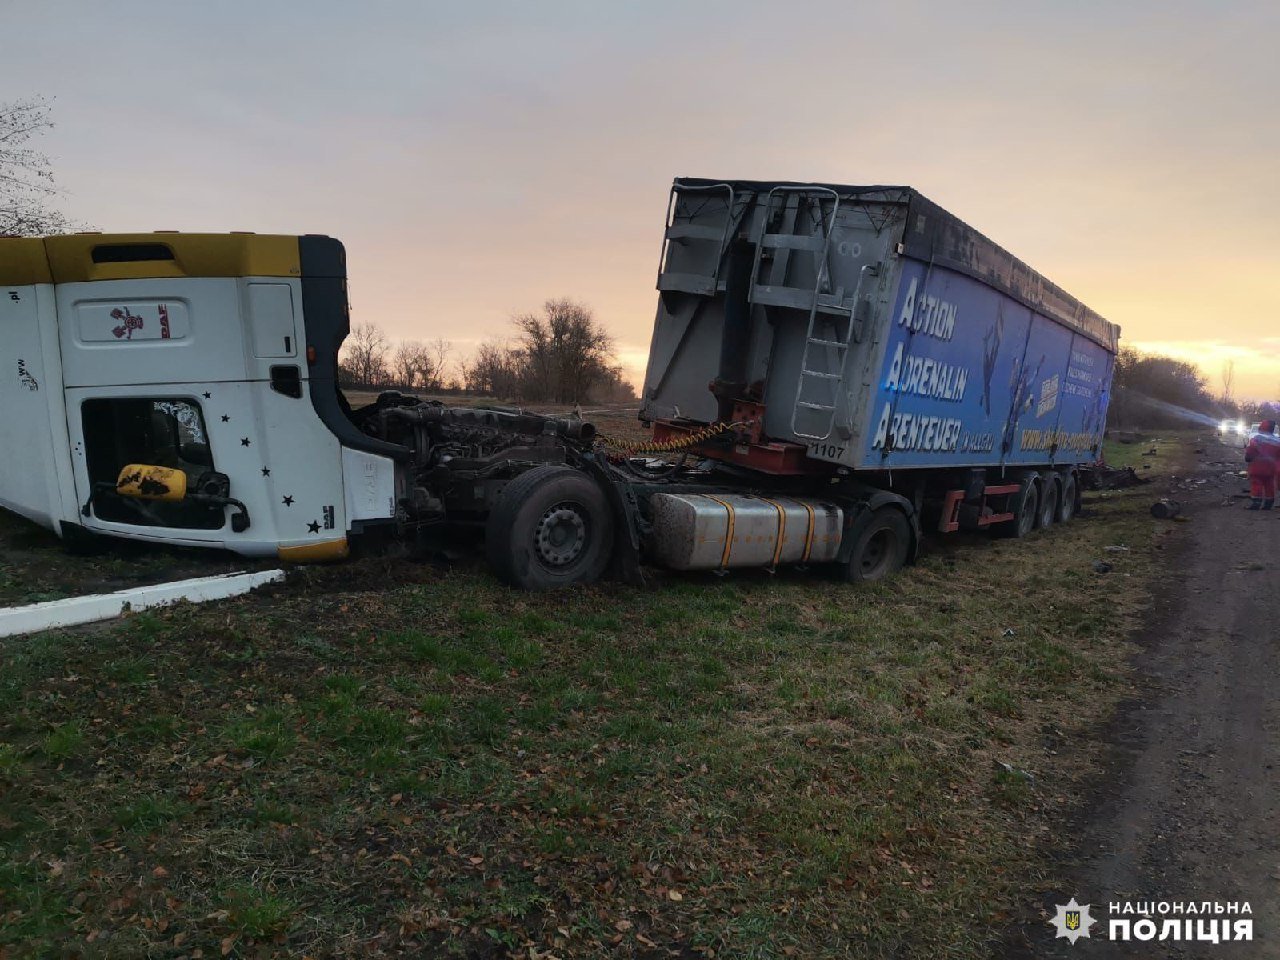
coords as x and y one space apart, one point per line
552 527
881 544
1024 506
1050 490
1068 497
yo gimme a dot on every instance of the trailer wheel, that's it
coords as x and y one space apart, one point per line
1067 496
1023 507
1049 491
551 527
881 543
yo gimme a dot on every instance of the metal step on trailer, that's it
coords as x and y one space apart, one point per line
780 246
703 283
831 323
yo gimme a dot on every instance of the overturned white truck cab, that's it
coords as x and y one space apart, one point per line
181 388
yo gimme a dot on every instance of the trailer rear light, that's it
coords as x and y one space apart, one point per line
311 354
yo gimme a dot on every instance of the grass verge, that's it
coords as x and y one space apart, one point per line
752 767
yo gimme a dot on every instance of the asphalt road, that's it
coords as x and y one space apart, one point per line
1189 809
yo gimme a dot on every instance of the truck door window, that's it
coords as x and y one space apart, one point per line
162 431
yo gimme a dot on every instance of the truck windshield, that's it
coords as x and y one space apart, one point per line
160 431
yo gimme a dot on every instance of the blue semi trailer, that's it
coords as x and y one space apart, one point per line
864 342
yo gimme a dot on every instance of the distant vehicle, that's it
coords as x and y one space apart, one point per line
1232 428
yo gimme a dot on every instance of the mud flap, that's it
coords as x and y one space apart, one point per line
624 565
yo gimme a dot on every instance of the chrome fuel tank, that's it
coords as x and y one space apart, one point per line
709 531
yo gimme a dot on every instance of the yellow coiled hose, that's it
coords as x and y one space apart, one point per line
671 446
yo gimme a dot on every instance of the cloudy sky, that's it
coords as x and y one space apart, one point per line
480 158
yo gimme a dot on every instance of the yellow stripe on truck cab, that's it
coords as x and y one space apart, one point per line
321 552
23 262
81 257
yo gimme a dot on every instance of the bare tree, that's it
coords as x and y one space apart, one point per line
1228 379
494 370
365 355
1149 390
421 366
407 363
439 351
566 351
26 181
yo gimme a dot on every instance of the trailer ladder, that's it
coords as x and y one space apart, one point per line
839 346
831 322
683 232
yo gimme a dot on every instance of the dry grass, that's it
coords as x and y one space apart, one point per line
388 759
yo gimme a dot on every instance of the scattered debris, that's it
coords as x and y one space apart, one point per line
1015 771
1165 509
1101 566
1102 477
1116 548
1008 631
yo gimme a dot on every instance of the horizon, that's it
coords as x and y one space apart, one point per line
476 164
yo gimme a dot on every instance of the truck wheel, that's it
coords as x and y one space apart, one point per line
551 527
1069 491
1023 506
1048 511
881 543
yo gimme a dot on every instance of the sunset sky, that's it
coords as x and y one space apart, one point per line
478 159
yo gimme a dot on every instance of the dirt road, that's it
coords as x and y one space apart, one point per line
1189 808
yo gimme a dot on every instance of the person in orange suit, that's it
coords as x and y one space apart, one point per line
1262 454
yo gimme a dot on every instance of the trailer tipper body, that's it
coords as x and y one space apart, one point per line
868 328
834 370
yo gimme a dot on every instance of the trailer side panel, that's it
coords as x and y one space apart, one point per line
973 377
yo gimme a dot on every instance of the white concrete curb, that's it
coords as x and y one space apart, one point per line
104 606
